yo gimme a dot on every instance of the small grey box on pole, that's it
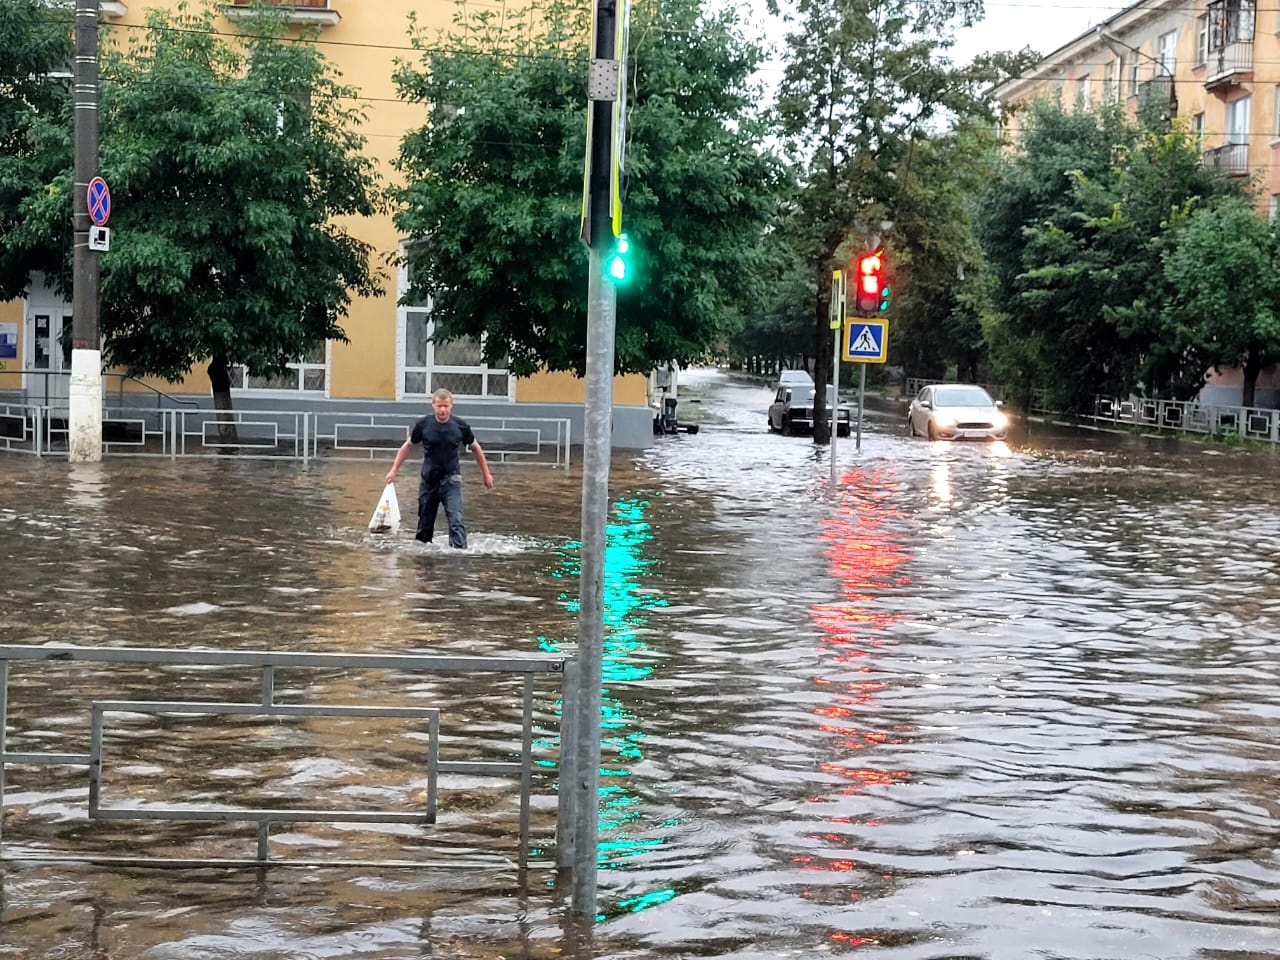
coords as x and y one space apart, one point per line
85 390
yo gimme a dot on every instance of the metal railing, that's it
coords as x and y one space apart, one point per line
60 686
1191 416
1230 159
273 434
43 382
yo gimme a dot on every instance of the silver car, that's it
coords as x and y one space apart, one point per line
956 411
792 411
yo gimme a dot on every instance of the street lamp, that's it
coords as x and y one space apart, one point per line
1113 42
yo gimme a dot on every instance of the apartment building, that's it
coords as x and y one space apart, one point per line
1215 63
391 362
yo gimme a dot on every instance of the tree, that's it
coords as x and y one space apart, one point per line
35 136
229 161
494 184
1224 292
864 82
937 265
1075 232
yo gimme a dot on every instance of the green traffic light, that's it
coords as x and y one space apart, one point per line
618 260
884 298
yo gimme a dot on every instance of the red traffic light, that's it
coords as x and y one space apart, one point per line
870 269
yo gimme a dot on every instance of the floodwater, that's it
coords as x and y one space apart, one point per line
978 701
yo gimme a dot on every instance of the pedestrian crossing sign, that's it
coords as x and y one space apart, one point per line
866 341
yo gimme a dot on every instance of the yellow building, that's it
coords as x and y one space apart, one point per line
390 364
1216 64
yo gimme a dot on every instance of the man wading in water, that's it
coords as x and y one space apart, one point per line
442 436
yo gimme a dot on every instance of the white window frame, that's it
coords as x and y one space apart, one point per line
1197 128
402 342
1135 77
1168 46
1273 207
1236 121
1202 39
300 369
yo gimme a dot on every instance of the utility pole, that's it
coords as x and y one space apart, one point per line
85 392
604 91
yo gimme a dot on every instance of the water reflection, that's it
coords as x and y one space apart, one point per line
626 663
982 702
865 560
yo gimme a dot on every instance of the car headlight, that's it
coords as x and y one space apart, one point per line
944 421
999 420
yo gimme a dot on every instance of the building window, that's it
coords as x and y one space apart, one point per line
1086 92
1197 128
1168 45
1274 206
454 365
1202 39
1237 121
1135 77
1275 119
308 375
1111 81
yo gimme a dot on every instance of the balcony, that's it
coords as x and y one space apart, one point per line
300 11
1229 67
1158 91
1229 160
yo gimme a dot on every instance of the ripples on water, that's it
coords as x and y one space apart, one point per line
979 701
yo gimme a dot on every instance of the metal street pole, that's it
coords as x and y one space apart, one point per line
597 453
85 390
835 395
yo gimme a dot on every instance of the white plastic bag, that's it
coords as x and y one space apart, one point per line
386 515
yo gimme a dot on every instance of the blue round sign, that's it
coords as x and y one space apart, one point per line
99 201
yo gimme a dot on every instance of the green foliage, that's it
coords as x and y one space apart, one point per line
936 264
494 184
229 161
1075 230
779 327
1223 304
35 136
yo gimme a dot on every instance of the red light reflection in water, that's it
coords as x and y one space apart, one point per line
865 561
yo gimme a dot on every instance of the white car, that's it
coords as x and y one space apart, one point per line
956 411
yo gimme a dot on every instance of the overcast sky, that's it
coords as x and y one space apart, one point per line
1043 25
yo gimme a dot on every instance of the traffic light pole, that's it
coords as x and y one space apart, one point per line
84 414
596 456
835 391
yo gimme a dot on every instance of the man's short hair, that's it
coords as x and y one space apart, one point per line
441 394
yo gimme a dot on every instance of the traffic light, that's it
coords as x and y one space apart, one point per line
872 294
619 264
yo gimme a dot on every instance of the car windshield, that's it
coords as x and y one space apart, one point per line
803 393
962 397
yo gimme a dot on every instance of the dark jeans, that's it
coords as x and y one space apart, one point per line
430 495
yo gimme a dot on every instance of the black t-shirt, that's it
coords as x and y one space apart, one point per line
441 444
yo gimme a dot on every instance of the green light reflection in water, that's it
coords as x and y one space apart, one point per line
626 659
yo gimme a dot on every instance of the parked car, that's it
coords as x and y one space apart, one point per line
956 411
792 410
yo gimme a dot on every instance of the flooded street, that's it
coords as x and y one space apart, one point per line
978 701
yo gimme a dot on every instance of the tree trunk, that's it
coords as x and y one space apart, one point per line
220 387
1252 367
822 356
